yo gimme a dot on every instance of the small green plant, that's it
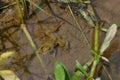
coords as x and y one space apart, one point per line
97 51
61 72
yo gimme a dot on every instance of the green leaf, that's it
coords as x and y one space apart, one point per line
93 52
61 72
86 16
78 74
8 75
109 36
80 67
87 65
5 57
67 75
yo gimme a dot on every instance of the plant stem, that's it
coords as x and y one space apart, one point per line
94 65
96 49
96 39
20 11
24 4
23 27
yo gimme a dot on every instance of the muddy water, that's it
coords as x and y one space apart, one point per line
27 65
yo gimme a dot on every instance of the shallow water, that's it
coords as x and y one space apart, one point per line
28 67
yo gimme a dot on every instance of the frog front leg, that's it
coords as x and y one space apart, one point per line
62 43
52 30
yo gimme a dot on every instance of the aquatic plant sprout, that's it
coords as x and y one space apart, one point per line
109 36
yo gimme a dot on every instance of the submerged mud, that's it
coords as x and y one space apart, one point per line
26 64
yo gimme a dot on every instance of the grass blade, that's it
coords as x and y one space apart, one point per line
78 74
80 67
8 75
5 57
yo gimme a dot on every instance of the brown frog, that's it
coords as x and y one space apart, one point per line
52 40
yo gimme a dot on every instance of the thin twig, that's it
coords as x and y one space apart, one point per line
80 28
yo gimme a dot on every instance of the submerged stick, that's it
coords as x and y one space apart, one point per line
37 52
24 28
